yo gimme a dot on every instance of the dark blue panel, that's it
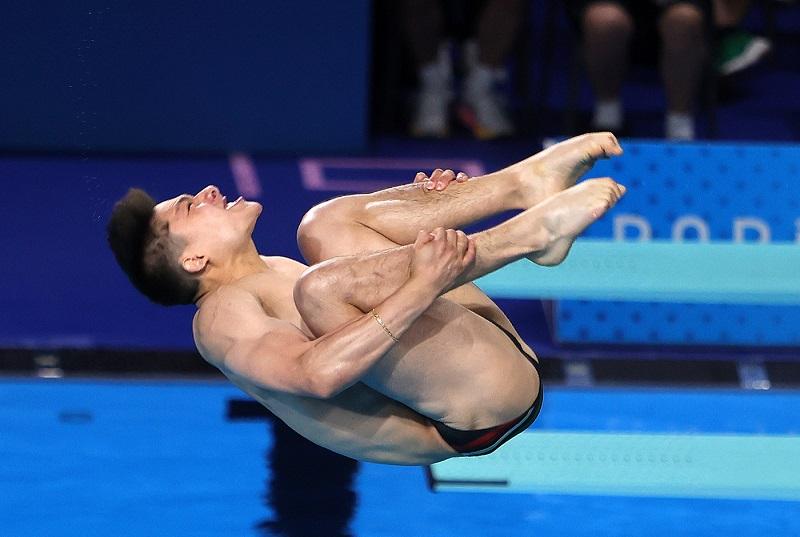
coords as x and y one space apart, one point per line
137 76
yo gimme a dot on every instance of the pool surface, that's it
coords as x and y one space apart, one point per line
128 457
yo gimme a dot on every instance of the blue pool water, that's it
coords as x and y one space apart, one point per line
81 458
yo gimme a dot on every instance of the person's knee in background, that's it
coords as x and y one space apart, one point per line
682 29
607 30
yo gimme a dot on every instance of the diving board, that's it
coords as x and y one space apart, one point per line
728 466
659 271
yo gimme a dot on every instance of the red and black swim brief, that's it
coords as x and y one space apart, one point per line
484 441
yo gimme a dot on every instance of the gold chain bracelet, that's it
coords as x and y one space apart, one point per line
383 325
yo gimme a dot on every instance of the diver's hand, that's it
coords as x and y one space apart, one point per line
440 257
440 179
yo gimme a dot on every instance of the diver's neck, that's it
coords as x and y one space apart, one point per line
246 263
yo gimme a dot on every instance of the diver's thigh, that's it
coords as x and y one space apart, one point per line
454 366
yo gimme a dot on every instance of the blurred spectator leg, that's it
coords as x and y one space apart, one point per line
736 48
423 27
682 27
498 26
607 30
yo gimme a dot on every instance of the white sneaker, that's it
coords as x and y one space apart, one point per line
433 100
484 111
679 127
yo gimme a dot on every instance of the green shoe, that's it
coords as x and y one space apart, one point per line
738 51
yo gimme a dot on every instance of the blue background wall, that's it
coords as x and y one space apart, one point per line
90 77
714 185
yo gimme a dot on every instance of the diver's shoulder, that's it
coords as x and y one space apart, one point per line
225 299
225 315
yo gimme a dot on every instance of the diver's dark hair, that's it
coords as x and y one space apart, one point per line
144 249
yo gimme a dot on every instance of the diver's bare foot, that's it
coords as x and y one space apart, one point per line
568 213
561 165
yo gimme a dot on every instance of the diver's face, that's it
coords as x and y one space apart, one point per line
207 223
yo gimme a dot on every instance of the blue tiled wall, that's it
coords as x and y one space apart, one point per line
694 192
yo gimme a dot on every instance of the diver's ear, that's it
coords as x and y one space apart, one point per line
194 264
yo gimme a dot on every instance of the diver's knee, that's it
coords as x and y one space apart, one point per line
318 284
317 225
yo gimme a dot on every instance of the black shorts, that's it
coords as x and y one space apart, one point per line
484 441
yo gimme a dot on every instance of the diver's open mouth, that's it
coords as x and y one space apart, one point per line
233 203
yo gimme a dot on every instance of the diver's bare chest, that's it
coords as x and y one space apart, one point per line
277 299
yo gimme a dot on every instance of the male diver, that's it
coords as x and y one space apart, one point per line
380 349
